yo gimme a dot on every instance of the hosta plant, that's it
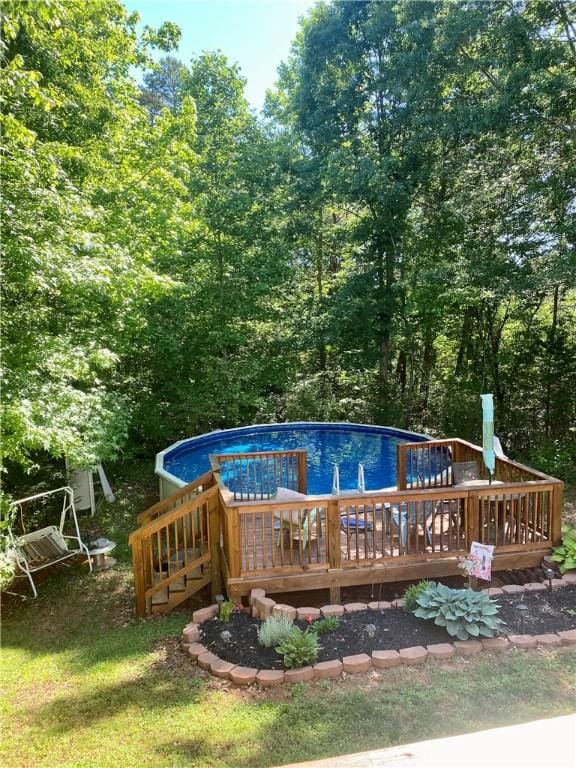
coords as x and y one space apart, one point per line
464 613
300 648
565 554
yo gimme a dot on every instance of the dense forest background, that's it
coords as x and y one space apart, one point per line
394 235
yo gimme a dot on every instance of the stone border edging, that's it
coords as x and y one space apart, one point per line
263 606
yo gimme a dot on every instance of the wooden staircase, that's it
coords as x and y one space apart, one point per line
176 549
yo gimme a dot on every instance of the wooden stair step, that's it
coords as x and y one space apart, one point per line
161 597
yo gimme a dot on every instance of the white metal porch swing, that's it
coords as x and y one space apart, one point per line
50 545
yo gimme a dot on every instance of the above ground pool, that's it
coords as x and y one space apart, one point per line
327 444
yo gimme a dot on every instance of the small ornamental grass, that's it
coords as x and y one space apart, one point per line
412 593
299 648
274 630
464 613
327 624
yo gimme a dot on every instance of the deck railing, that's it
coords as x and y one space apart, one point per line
429 464
270 538
176 553
176 500
250 476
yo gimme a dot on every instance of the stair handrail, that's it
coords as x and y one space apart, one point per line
164 505
168 517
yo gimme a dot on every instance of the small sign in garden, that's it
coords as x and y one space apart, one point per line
479 561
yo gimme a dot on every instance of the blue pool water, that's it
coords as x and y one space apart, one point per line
326 444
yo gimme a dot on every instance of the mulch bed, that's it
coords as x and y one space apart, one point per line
395 628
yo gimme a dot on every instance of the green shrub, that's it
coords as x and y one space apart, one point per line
327 624
274 630
555 457
463 612
412 593
299 648
565 554
225 610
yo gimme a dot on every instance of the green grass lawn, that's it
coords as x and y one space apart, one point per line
87 684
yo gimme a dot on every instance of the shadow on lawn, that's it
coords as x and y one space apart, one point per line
314 722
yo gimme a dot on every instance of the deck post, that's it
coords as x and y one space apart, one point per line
139 586
214 534
333 534
234 554
472 517
302 480
557 493
401 467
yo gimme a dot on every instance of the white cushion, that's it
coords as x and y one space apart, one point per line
286 494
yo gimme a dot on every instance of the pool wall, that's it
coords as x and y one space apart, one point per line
169 483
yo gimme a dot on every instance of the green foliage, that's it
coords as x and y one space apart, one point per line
556 457
393 237
225 610
565 554
274 630
299 648
464 613
413 592
327 624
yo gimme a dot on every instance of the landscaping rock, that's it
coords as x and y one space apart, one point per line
569 578
467 647
284 610
400 603
386 659
203 614
535 586
495 644
512 589
548 641
441 651
523 641
264 606
255 594
195 650
270 677
191 633
568 636
493 591
415 655
243 675
220 668
304 613
354 607
360 662
206 659
328 669
332 610
302 675
383 605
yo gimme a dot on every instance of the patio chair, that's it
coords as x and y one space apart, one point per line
50 545
355 524
301 527
406 514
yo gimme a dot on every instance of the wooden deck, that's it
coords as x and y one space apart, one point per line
238 534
